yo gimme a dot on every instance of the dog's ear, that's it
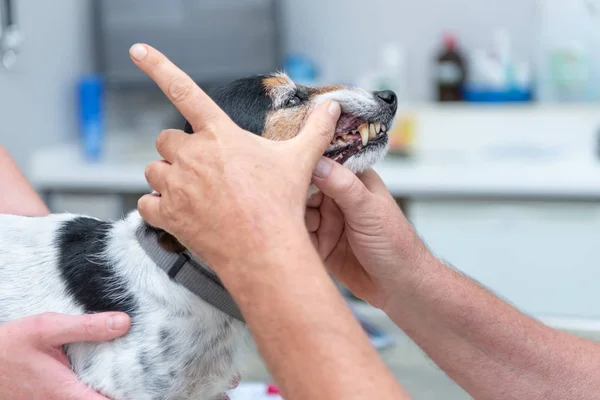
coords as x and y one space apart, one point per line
188 128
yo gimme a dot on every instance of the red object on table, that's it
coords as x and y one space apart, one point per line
272 390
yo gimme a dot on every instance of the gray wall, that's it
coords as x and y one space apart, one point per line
37 100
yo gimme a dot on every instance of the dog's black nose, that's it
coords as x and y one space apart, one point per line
388 97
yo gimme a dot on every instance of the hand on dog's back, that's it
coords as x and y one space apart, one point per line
34 365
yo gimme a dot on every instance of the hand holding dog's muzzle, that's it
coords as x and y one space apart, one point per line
225 193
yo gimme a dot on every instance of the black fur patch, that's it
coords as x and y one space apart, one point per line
245 101
89 277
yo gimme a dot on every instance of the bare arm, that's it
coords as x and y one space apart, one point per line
253 235
487 346
17 196
310 340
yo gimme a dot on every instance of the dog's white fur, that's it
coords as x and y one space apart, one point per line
200 338
179 347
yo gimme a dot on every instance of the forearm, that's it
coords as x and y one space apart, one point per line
309 339
16 194
487 346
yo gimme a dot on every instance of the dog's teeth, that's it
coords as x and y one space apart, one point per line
372 129
372 135
340 142
383 128
345 136
377 127
364 134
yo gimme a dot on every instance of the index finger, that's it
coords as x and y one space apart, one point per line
195 105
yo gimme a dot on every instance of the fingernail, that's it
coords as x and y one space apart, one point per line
138 51
117 322
323 168
335 109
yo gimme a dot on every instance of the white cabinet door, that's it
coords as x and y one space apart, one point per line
542 257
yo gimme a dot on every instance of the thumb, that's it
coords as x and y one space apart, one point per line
315 137
55 330
340 184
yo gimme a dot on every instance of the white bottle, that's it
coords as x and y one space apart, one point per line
568 62
389 73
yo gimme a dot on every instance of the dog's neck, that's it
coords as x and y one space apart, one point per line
184 268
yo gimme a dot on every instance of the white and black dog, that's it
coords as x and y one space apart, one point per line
184 335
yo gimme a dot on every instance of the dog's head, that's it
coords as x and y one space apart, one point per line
276 108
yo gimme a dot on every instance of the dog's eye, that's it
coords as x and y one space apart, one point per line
294 101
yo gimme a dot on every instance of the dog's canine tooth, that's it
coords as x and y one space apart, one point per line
383 128
364 134
340 142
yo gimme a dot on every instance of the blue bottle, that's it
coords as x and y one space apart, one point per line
91 116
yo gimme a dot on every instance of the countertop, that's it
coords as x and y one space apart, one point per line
62 168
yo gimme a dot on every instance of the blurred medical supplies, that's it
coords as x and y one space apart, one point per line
91 116
568 60
301 69
497 76
389 73
450 71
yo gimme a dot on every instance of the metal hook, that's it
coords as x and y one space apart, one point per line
10 37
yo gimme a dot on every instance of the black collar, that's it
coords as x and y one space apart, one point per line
192 274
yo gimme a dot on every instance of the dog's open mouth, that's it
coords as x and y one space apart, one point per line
352 136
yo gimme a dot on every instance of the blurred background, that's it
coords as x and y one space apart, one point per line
496 149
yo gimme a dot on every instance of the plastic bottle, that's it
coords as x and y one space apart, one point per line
568 60
451 71
91 116
389 73
392 76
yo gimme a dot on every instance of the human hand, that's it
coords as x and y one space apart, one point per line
361 233
225 193
33 365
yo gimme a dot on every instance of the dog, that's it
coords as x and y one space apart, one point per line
181 345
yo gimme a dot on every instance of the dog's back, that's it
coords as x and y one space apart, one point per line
178 346
29 279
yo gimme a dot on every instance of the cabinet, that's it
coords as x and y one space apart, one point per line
541 256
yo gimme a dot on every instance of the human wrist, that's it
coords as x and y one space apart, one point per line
284 246
409 280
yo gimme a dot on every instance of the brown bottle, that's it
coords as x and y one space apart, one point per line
451 71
